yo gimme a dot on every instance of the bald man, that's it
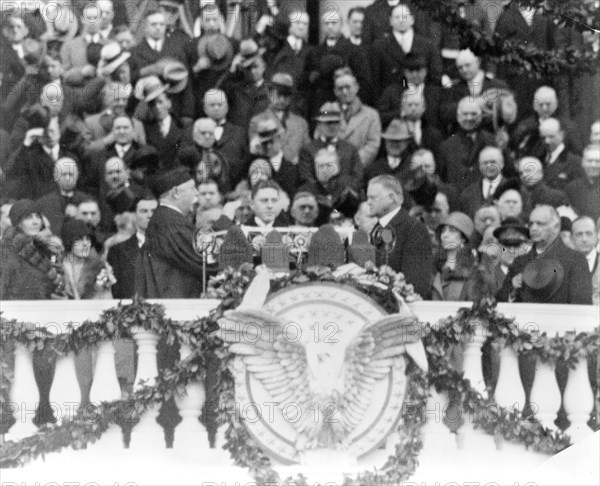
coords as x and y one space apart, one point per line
473 82
458 154
561 165
230 140
575 286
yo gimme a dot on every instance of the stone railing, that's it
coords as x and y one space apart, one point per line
545 397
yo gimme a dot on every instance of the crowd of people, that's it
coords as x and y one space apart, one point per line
117 143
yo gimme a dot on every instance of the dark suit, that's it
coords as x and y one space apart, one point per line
93 168
566 168
411 253
321 62
167 146
31 174
245 101
350 164
124 258
388 60
390 103
11 68
53 206
233 146
169 267
381 166
377 22
458 157
585 196
543 194
576 287
287 177
472 198
143 55
294 63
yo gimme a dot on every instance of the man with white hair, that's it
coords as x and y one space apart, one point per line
458 154
551 272
561 165
473 82
526 139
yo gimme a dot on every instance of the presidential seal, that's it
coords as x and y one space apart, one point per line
319 366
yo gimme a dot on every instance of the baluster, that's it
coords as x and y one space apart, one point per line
467 435
106 388
436 434
147 434
509 390
65 393
190 434
545 394
579 401
24 394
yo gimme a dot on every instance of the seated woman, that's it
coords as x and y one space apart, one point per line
455 266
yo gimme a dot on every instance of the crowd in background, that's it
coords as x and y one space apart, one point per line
488 178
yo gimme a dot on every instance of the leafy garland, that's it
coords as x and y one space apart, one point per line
230 286
574 14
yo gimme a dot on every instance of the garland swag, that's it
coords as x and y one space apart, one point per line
230 286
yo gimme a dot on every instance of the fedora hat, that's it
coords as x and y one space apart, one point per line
268 129
542 278
459 221
249 51
149 88
175 75
512 232
330 112
283 82
397 130
217 48
112 56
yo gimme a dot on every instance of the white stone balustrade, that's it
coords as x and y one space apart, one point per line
190 434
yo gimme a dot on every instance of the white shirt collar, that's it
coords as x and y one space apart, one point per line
357 41
476 84
18 48
105 33
385 220
405 39
393 3
294 42
165 123
141 237
392 161
276 161
555 153
261 224
174 208
591 259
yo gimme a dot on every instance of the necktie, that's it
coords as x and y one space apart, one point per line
120 150
394 162
376 234
218 133
163 128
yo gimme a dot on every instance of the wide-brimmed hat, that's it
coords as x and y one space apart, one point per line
459 221
149 88
165 181
249 51
145 157
542 278
283 82
218 48
329 112
512 232
268 129
175 75
397 130
112 56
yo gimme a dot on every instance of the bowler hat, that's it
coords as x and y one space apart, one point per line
145 157
397 130
512 232
542 277
459 221
329 112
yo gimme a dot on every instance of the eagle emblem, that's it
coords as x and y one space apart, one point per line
333 382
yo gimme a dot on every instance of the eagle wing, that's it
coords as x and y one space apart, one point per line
369 358
259 340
